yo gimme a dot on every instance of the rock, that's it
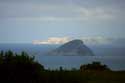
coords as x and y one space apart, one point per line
72 48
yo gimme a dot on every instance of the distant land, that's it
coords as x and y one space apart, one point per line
72 48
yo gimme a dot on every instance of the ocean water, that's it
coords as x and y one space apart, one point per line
112 56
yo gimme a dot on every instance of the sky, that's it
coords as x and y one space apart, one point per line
24 21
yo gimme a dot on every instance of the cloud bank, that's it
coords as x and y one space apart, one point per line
52 40
55 12
86 40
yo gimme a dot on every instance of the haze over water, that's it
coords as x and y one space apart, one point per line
113 57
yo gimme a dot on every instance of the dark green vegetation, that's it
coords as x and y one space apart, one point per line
20 68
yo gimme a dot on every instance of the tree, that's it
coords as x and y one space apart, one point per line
96 66
19 68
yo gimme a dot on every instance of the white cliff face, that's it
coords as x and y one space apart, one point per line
72 48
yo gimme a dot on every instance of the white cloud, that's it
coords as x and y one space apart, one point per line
97 40
52 40
87 40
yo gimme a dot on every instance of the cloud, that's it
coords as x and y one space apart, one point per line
47 19
55 12
97 40
52 40
96 13
86 40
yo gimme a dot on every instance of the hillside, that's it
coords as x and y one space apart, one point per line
72 48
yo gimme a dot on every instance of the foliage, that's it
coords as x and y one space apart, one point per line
18 68
21 68
95 66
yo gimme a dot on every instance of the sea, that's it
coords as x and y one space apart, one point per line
112 56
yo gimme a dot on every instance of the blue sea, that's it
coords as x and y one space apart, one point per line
112 56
